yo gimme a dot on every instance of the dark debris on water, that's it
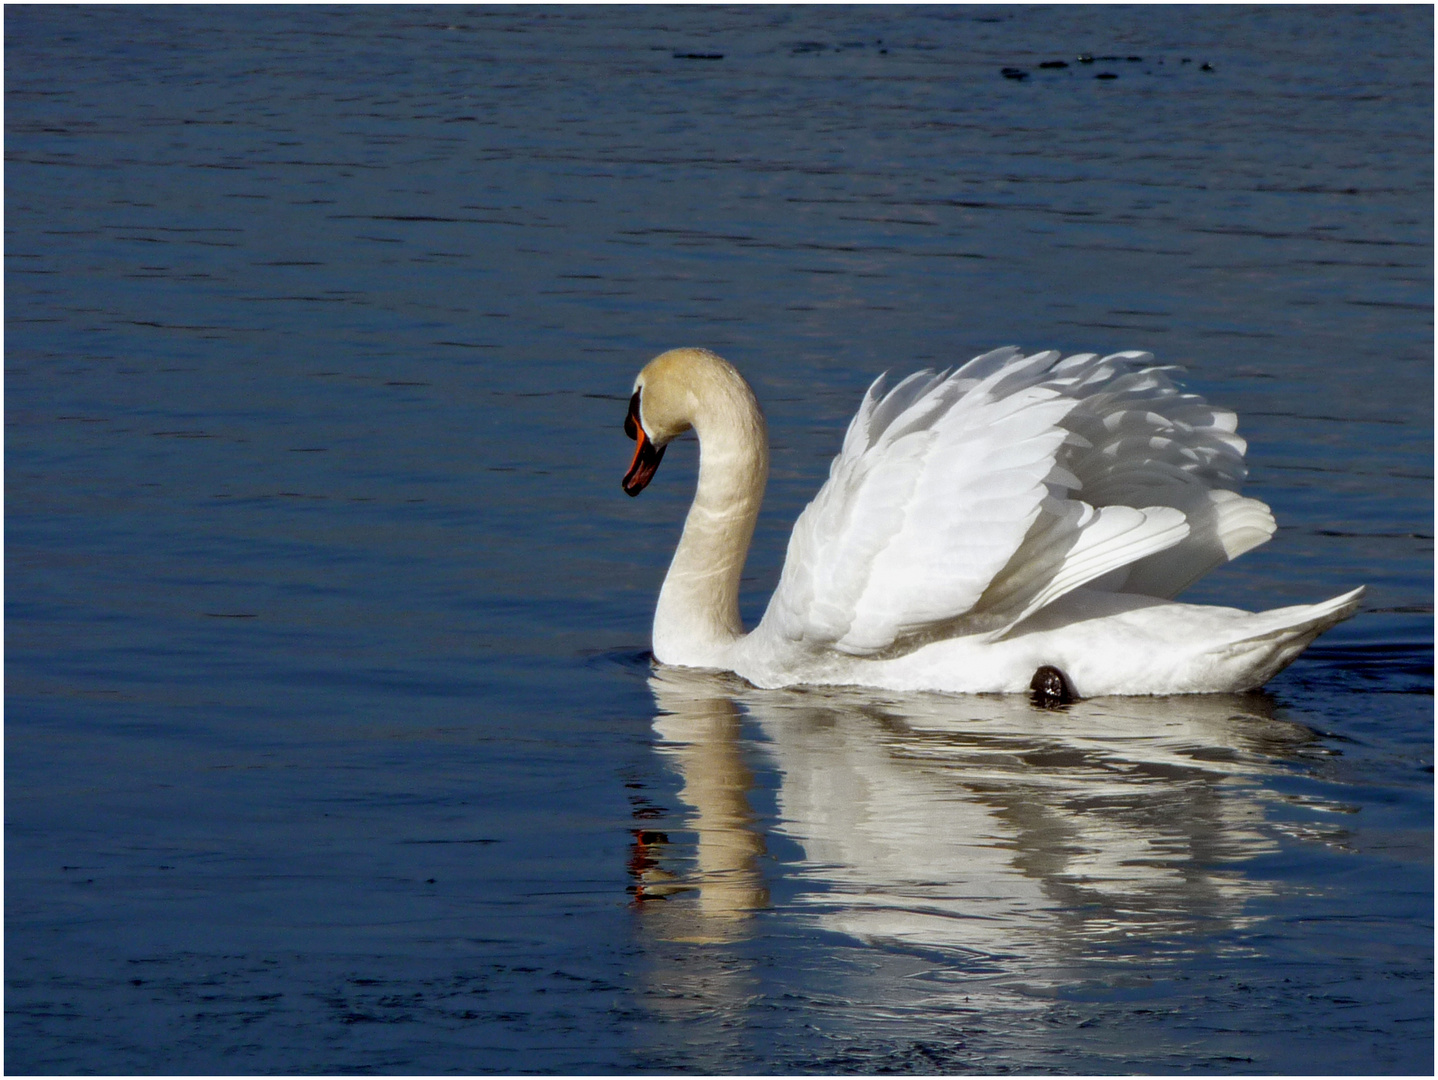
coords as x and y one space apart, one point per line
1019 74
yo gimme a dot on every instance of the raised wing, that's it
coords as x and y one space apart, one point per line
1144 442
951 507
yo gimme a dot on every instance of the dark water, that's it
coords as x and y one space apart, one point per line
331 744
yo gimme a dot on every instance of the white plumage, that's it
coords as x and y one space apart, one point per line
1020 511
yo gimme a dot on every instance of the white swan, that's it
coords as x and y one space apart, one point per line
1018 514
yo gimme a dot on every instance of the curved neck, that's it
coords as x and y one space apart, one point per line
697 619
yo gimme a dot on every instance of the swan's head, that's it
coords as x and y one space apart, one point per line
669 395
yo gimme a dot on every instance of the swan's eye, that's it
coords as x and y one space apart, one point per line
631 421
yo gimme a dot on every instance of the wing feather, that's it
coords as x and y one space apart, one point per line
964 501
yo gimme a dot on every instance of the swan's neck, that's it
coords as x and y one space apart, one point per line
697 622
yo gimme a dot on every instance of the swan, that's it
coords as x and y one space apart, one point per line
1020 523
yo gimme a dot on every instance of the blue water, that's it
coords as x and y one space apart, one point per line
332 743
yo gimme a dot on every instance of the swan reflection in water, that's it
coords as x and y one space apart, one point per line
995 832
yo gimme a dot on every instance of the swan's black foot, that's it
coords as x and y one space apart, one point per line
1051 688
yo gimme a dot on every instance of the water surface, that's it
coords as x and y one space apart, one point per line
332 741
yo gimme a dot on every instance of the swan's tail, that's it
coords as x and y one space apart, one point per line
1273 639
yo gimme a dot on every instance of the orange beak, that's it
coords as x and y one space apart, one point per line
646 457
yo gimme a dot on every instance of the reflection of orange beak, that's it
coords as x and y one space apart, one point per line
646 457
